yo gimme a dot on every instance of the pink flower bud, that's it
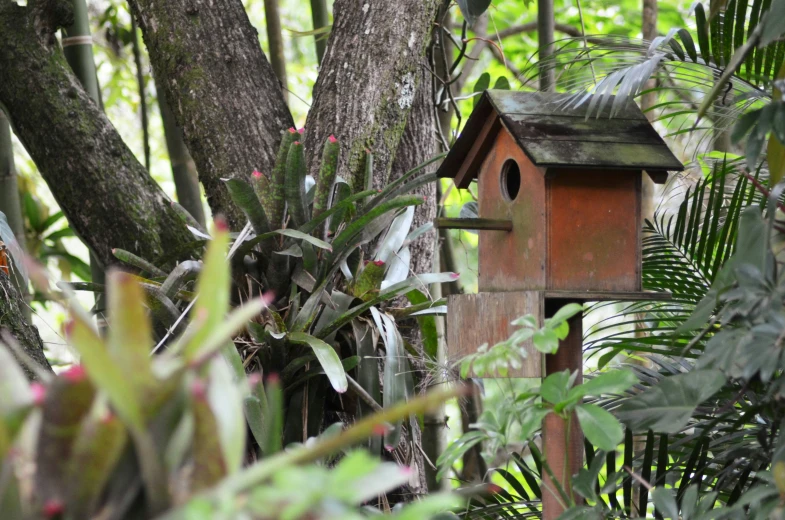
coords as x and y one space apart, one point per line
378 263
254 379
199 389
292 130
257 174
301 130
296 143
332 139
39 393
273 379
75 374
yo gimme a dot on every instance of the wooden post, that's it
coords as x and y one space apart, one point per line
564 454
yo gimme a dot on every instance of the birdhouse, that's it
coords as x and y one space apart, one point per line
559 198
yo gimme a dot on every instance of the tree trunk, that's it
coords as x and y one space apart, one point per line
108 197
218 83
368 82
418 144
12 319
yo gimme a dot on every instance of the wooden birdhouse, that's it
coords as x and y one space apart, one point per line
559 205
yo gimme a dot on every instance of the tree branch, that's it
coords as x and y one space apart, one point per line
221 88
12 318
108 197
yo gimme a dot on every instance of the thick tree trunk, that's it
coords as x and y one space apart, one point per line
367 82
108 197
221 88
12 319
418 144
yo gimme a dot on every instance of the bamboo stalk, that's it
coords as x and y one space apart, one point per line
545 29
142 96
321 18
186 180
9 201
275 39
78 50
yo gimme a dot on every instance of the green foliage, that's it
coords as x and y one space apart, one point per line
165 435
509 353
319 291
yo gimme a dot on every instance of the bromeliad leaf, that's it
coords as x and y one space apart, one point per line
327 357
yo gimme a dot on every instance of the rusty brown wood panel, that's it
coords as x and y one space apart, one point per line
515 260
593 231
476 319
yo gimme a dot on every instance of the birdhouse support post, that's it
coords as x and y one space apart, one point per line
562 440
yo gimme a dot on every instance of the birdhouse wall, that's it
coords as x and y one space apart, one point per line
511 261
594 230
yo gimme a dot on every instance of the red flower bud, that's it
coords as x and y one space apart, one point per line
53 508
296 143
378 263
220 224
273 379
379 429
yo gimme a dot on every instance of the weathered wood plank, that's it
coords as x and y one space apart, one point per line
603 296
486 224
476 319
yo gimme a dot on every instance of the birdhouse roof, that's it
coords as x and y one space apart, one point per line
553 132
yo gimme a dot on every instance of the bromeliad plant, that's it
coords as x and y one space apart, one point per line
125 434
307 248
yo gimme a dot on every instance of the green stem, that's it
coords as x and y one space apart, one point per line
272 17
321 18
186 180
78 50
142 97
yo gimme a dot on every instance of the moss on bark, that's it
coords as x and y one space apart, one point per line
106 194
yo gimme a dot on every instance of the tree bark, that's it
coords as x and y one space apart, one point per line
418 144
10 204
12 319
221 88
368 82
107 196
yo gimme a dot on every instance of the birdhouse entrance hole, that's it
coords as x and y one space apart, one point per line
511 180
